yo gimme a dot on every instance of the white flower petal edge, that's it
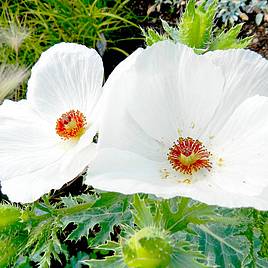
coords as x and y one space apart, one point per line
243 147
34 157
55 78
29 187
244 73
128 173
150 108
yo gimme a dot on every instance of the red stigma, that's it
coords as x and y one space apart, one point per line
188 155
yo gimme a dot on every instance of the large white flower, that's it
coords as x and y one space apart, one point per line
180 124
46 140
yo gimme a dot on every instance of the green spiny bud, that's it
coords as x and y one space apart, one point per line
147 248
9 215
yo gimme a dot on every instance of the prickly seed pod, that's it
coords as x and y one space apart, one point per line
147 248
9 215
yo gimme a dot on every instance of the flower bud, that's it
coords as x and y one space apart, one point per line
147 248
8 215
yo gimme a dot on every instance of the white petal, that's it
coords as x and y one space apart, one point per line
26 142
129 173
67 76
242 145
245 75
117 126
31 186
165 90
211 194
170 91
122 171
110 85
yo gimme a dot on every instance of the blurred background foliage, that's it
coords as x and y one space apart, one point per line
29 27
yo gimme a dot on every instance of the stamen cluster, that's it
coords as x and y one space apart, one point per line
188 155
71 125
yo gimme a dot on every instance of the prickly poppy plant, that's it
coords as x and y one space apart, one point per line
174 144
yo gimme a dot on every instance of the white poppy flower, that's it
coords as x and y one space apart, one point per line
46 140
180 124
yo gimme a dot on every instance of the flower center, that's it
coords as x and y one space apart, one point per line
71 125
188 155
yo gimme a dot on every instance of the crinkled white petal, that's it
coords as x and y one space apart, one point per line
129 173
67 76
29 187
167 89
159 93
245 75
107 98
126 132
26 141
242 145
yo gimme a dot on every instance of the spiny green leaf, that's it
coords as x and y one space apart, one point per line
109 210
172 32
226 246
107 199
70 201
10 249
142 214
195 27
43 243
152 36
185 212
184 256
13 235
229 39
12 242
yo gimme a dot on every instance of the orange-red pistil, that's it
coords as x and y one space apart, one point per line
71 125
188 155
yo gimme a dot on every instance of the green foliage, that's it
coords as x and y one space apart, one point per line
197 30
152 36
13 234
196 25
229 39
222 244
37 231
106 212
145 244
118 227
172 215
